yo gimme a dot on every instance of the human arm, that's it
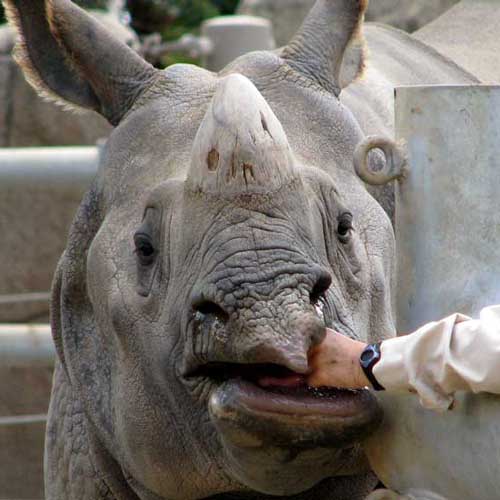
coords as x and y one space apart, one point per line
453 354
335 362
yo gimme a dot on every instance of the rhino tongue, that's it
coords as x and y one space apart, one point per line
292 380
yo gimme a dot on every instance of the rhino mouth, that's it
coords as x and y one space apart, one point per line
275 406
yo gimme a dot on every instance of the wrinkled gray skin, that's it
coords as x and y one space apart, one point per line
28 120
217 231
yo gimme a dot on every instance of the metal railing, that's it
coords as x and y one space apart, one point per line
24 298
26 346
71 168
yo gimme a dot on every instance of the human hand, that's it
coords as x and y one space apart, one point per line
335 363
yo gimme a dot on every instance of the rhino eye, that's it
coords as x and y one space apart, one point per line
344 227
144 249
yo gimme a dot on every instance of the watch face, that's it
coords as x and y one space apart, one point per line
367 355
368 359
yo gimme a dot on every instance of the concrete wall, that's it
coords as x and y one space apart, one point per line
21 456
26 365
40 191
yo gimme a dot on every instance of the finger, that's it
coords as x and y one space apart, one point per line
315 381
331 331
314 351
319 365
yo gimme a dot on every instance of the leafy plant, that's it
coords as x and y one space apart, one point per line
171 17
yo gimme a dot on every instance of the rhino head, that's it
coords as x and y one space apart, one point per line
225 228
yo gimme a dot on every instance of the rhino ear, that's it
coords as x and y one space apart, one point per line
329 47
69 57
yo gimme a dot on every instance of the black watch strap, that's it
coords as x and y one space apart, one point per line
369 358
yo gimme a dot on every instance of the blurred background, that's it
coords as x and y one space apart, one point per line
170 18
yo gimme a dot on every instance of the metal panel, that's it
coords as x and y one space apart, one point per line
448 234
448 217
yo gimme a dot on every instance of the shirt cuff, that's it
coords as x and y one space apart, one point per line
390 370
413 363
392 373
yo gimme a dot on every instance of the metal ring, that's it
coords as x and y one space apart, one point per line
396 165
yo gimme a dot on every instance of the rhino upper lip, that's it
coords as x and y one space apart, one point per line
279 389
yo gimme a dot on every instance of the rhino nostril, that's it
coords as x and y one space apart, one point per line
320 287
207 307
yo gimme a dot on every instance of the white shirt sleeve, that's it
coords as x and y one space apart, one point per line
456 353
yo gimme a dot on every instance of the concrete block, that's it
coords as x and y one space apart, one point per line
233 36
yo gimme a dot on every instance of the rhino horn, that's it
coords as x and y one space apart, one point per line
329 47
240 146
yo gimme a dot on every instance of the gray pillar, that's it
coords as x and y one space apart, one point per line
448 235
233 36
448 209
26 346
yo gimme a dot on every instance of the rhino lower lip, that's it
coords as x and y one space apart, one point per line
292 416
274 388
297 399
269 405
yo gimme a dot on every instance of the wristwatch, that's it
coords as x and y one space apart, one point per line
369 358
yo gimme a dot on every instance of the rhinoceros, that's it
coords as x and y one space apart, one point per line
226 227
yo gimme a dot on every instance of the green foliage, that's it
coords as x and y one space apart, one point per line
226 6
185 14
173 18
189 15
92 4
